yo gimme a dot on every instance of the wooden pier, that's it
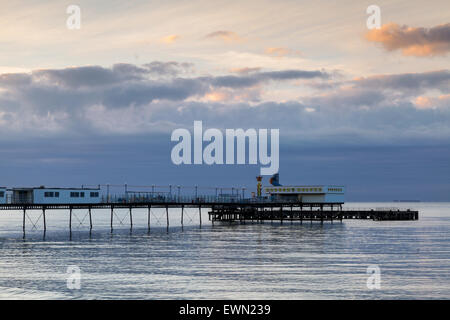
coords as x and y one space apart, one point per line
309 212
240 211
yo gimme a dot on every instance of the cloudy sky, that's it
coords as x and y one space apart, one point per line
365 108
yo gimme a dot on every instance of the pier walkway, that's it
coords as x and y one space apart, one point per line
220 210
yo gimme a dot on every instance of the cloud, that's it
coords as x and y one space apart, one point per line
227 36
379 91
441 101
280 52
125 100
170 38
87 76
67 99
411 83
245 70
252 79
420 42
170 68
217 96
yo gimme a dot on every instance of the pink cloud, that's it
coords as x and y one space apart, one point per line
420 42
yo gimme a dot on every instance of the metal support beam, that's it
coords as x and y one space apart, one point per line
45 222
182 213
292 218
167 217
90 219
70 219
131 218
281 214
148 217
112 215
23 224
321 214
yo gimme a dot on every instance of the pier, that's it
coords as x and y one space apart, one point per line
304 212
220 210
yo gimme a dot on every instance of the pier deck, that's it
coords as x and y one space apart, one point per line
241 210
299 213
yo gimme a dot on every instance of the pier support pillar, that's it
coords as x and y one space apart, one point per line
45 222
23 223
281 214
301 213
321 214
200 215
292 218
167 217
131 218
148 217
90 220
271 214
112 216
70 220
182 213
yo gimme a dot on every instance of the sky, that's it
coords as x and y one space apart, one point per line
365 108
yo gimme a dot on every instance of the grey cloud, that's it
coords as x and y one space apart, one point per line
14 79
232 81
377 108
293 74
122 85
129 71
347 99
171 68
76 77
408 81
140 93
245 70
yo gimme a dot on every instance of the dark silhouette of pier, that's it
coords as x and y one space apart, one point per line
220 210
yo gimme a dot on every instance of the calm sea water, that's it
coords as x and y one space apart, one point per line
239 261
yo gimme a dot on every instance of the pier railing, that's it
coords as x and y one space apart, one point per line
205 199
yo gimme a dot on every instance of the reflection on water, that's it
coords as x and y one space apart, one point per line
238 261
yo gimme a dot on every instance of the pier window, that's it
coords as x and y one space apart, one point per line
82 194
74 194
2 194
49 194
94 194
56 194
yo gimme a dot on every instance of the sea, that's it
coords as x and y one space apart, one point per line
352 259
